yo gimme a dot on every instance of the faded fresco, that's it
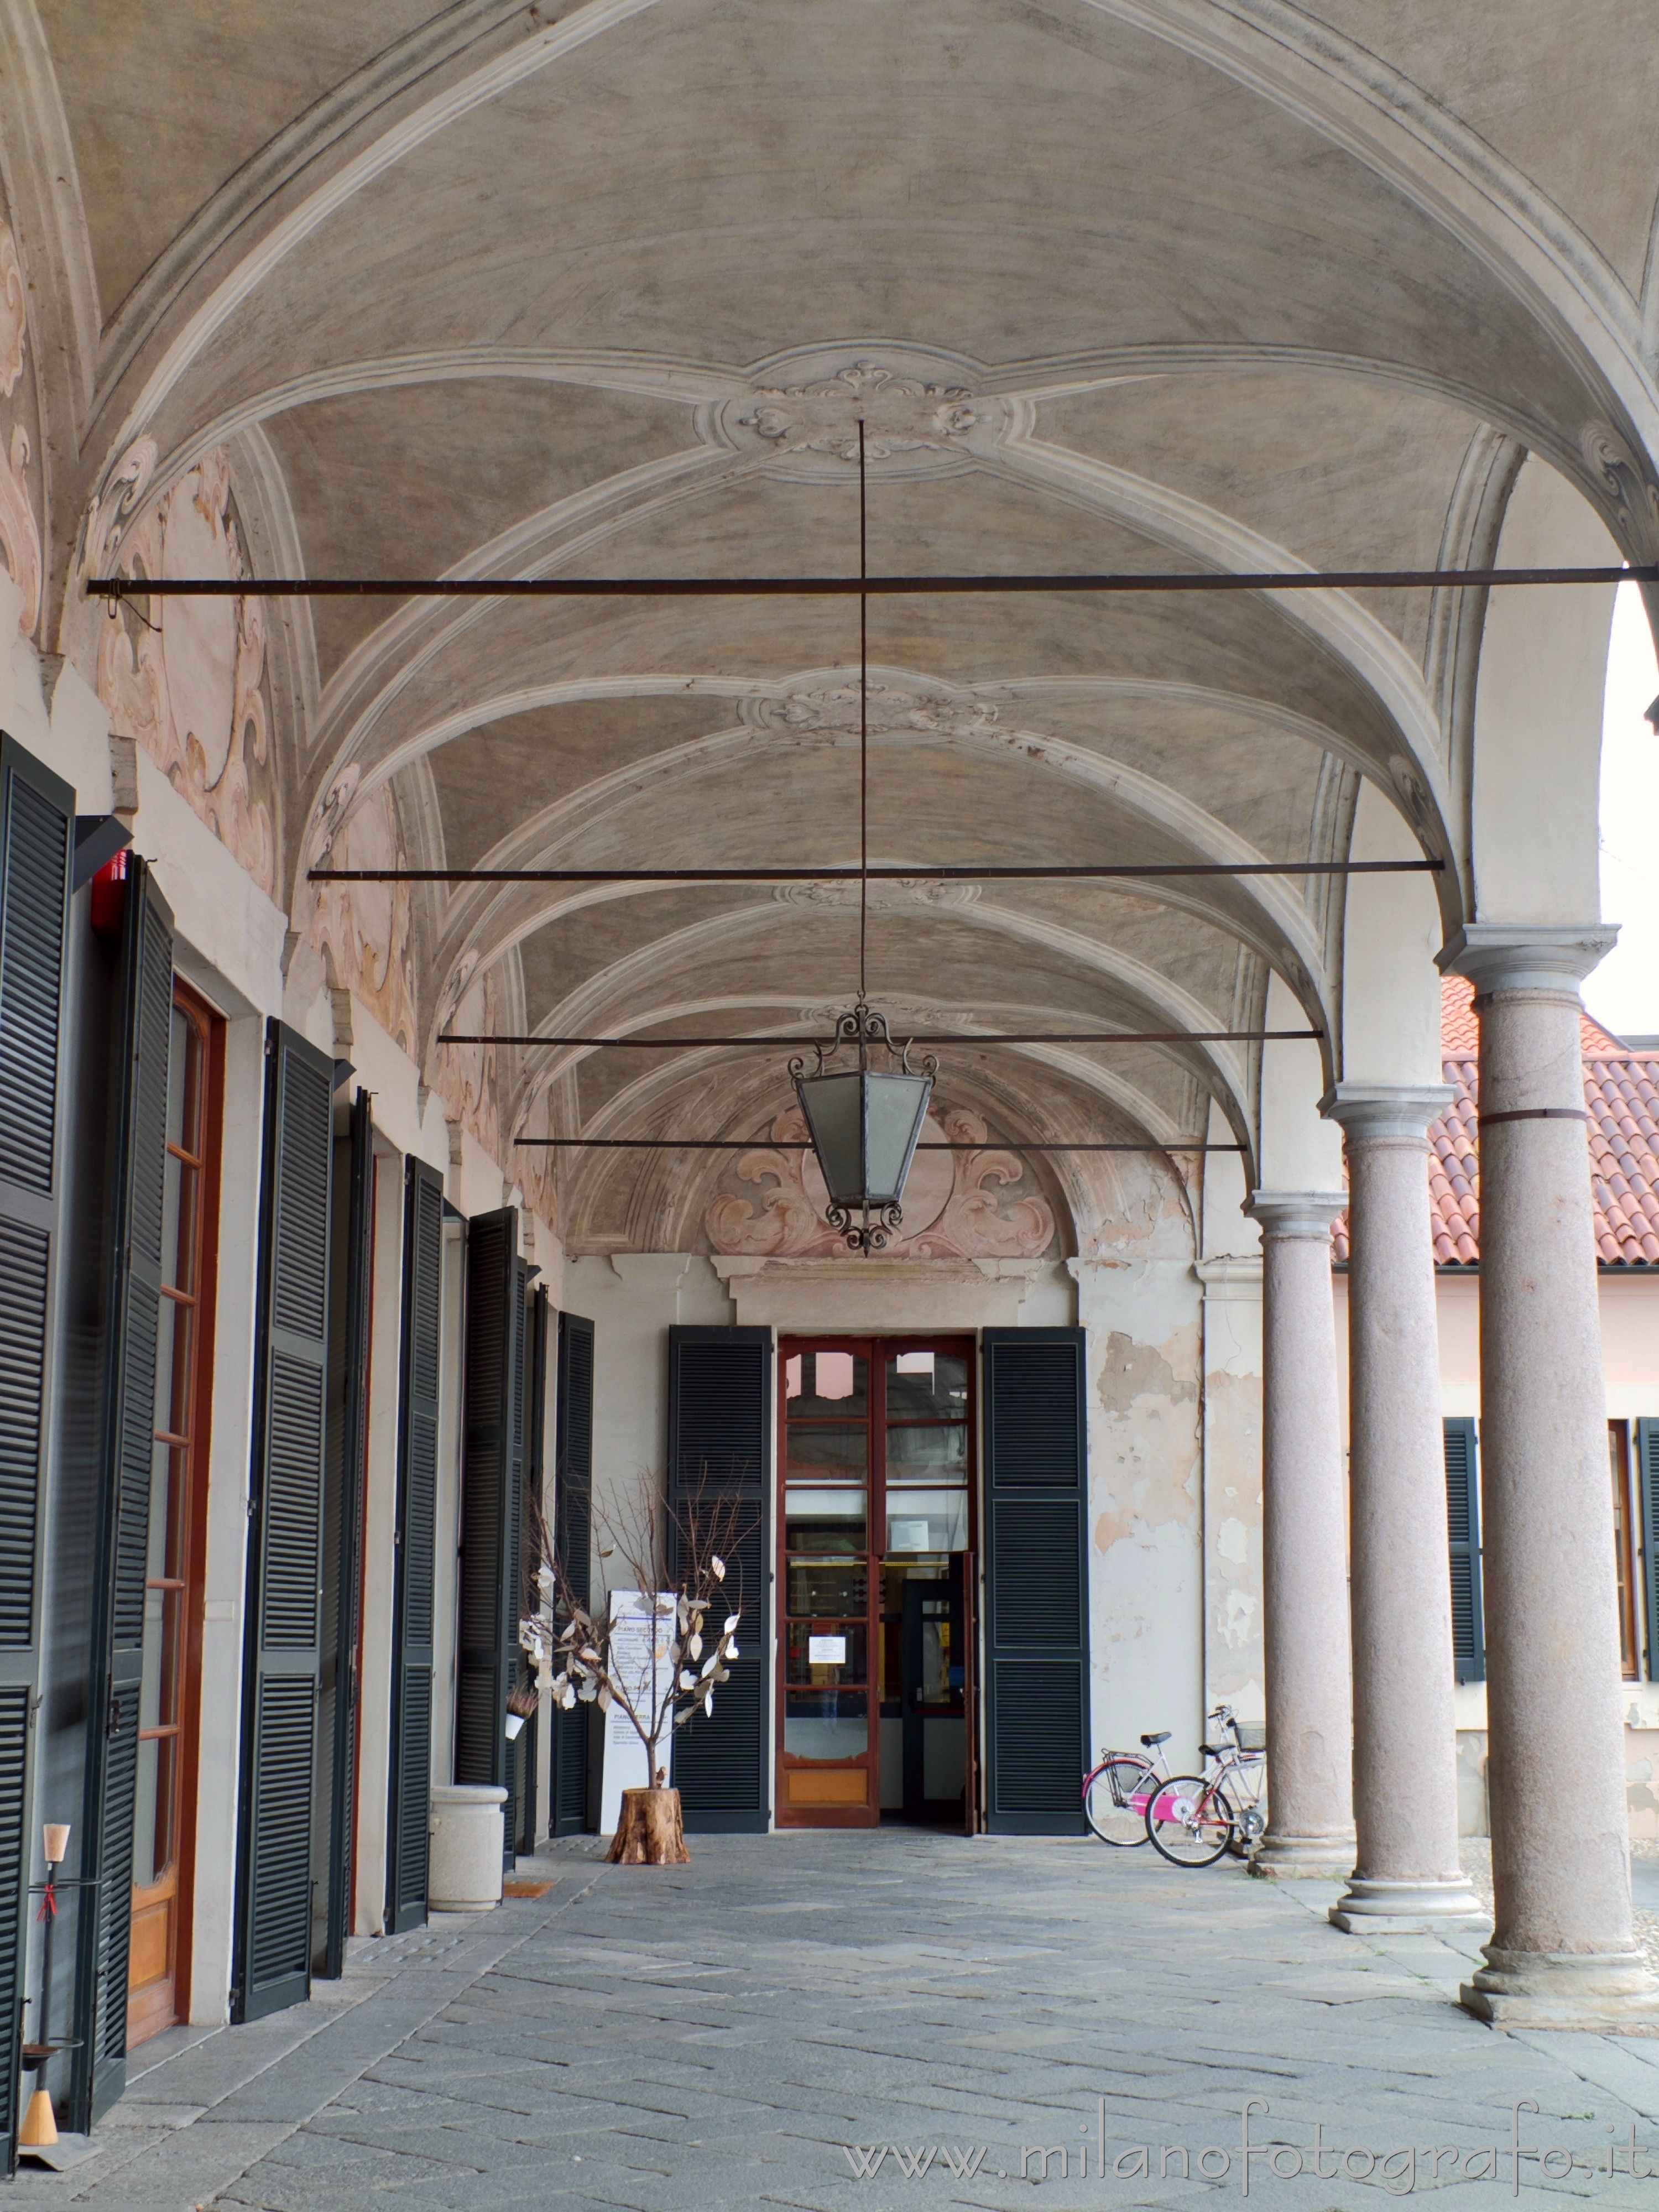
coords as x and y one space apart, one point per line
978 1204
363 929
184 679
468 1079
532 1166
20 534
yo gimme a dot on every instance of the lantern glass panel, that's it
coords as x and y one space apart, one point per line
897 1103
833 1107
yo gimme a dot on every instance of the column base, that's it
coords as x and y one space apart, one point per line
1604 1990
1379 1907
1320 1858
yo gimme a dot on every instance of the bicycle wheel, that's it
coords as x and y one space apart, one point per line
1190 1820
1116 1797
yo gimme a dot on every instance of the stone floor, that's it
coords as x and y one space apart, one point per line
683 2040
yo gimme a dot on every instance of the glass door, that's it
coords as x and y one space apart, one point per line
877 1495
169 1687
825 1768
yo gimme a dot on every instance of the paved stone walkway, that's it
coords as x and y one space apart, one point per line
713 2036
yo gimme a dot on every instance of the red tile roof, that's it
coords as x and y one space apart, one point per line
1621 1092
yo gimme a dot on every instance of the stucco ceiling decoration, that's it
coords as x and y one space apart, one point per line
908 418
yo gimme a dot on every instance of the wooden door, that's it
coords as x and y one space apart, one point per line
169 1687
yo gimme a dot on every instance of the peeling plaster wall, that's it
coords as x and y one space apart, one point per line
1145 1570
1230 1275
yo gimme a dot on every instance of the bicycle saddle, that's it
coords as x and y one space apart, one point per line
1211 1751
1153 1741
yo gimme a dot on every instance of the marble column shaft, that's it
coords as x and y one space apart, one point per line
1563 1951
1406 1872
1304 1545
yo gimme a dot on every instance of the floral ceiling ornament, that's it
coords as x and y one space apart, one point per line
187 684
20 534
835 708
902 415
959 1206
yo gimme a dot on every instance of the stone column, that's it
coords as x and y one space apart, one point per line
1407 1876
1304 1545
1563 1951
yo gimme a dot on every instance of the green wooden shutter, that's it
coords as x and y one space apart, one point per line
1463 1543
1647 1468
37 820
492 1473
350 1278
721 1418
417 1543
573 1537
137 1266
525 1751
1037 1583
282 1656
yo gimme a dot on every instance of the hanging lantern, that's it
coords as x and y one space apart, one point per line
864 1124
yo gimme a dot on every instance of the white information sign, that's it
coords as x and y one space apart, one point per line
826 1650
632 1635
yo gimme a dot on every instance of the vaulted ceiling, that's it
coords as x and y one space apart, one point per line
604 288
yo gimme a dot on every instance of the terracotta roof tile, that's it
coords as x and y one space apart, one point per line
1621 1095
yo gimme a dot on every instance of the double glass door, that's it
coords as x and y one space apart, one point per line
875 1535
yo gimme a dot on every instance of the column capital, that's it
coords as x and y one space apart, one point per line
1386 1109
1526 956
1296 1212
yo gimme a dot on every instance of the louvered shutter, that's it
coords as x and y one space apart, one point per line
719 1450
573 1538
1647 1470
1463 1544
526 1779
492 1473
1037 1587
138 1267
271 1964
417 1543
37 815
342 1520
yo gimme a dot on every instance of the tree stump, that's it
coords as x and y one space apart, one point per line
648 1832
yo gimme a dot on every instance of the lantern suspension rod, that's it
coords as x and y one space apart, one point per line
864 722
965 872
752 1144
921 1036
113 588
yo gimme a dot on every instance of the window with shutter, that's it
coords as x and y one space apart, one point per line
37 814
538 1321
719 1449
492 1472
1647 1483
349 1301
137 1317
409 1810
573 1537
1463 1535
271 1961
1036 1591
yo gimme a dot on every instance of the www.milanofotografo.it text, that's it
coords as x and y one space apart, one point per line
1510 2161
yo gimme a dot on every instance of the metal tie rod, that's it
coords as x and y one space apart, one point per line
752 1144
747 587
921 1036
962 872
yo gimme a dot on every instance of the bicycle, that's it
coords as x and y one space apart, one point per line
1118 1789
1192 1820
